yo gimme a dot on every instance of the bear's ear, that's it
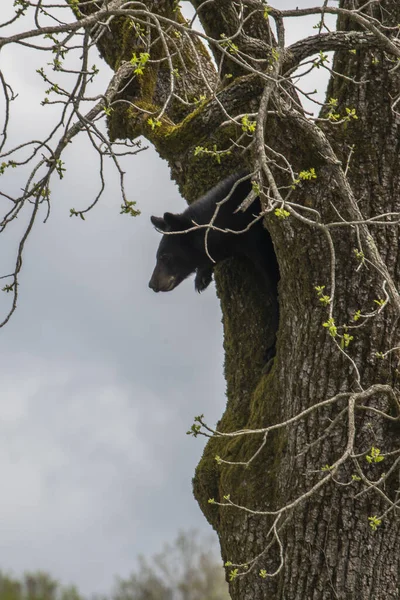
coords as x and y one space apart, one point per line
159 223
177 222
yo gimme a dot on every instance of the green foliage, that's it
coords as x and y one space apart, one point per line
187 569
281 213
139 62
218 154
74 4
140 31
8 288
345 341
247 125
60 168
256 187
35 586
23 6
321 60
351 114
229 45
304 176
330 325
40 191
5 165
380 302
199 99
332 105
56 64
153 123
308 175
195 429
323 297
128 209
76 213
274 54
374 456
374 522
263 573
334 116
325 300
359 254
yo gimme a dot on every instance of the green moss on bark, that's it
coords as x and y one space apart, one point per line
251 394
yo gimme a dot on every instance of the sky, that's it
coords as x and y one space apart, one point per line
100 377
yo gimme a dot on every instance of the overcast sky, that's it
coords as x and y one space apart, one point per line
99 376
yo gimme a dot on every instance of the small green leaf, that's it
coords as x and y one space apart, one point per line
194 430
233 574
308 175
346 339
128 209
139 62
351 113
263 573
380 302
330 325
359 255
326 468
374 522
247 125
281 213
256 187
374 456
154 123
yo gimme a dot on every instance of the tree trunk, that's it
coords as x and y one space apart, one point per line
324 545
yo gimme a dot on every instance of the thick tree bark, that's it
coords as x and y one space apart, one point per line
328 548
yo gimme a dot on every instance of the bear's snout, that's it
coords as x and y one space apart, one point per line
161 282
153 286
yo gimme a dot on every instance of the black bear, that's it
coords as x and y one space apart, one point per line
181 254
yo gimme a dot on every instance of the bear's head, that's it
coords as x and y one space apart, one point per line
177 257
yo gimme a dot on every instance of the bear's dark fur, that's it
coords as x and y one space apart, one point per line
181 254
